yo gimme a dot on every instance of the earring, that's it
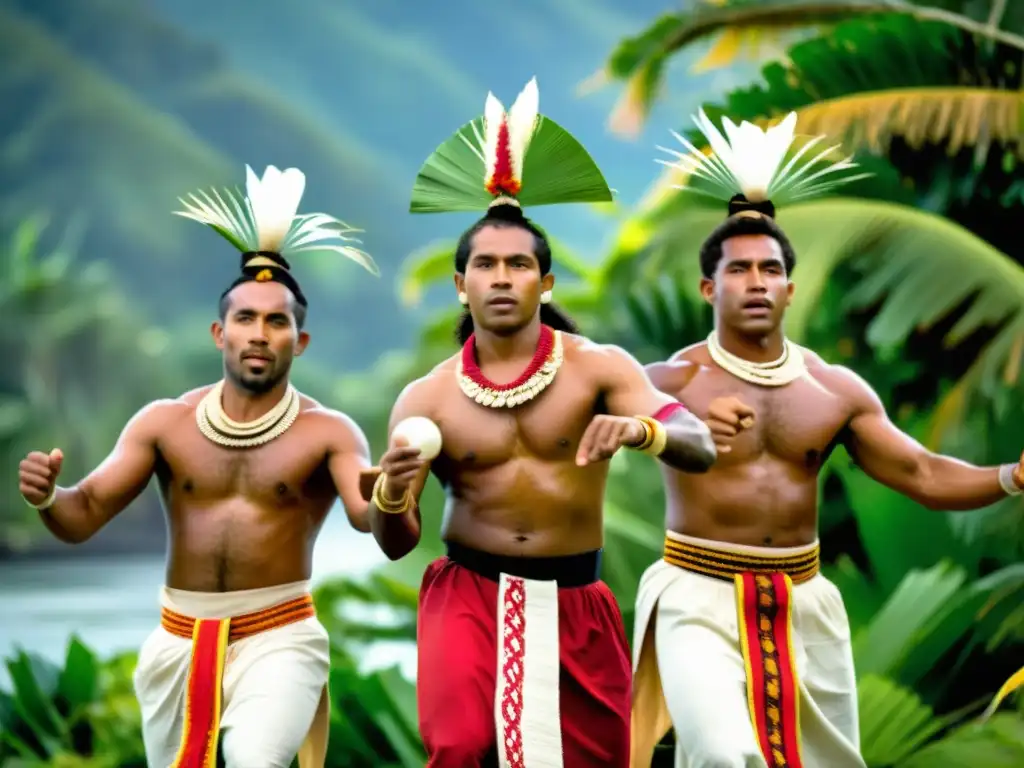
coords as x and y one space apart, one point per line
463 298
545 297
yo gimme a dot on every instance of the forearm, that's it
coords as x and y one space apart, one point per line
689 446
71 517
359 519
948 484
397 534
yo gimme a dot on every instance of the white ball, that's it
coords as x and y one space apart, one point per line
420 432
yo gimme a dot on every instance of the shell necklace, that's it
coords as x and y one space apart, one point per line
534 380
777 373
217 427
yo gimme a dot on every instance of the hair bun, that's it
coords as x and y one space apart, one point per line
739 204
506 212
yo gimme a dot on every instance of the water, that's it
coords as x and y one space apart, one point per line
111 603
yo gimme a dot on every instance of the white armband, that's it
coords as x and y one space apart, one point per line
1007 482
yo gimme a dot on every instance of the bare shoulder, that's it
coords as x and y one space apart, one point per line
154 420
672 376
193 396
606 364
419 396
340 429
842 382
584 350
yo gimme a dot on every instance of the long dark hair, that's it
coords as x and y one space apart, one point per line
510 216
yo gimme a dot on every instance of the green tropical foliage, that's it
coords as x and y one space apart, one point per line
83 714
913 278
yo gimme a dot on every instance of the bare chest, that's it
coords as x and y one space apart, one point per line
548 427
286 471
798 422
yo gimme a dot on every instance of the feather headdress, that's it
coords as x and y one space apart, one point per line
265 226
512 157
748 167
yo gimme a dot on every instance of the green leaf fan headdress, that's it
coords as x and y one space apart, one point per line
516 157
265 226
745 167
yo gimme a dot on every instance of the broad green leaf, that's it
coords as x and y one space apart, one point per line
999 743
556 169
883 646
79 679
894 722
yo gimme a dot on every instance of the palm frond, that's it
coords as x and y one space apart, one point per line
894 722
956 117
640 61
998 743
557 169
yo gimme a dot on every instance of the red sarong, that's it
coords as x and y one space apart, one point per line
466 721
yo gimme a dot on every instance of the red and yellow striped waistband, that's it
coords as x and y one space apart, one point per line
725 563
248 624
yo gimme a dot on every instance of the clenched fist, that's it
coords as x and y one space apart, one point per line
37 475
727 417
605 435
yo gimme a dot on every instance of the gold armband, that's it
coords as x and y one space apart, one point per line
655 437
387 506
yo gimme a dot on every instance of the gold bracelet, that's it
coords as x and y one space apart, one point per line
657 437
387 506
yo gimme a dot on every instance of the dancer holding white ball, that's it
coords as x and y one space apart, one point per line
522 651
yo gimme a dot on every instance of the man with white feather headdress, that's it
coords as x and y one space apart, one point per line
248 469
522 655
740 643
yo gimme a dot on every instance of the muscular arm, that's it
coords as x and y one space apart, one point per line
396 534
630 392
80 511
898 461
348 456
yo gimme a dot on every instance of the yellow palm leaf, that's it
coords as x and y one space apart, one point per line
960 117
742 44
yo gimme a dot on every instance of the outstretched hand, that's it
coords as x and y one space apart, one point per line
1018 472
605 435
727 417
37 475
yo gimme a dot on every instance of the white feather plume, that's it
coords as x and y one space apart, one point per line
494 116
274 200
749 160
267 219
522 122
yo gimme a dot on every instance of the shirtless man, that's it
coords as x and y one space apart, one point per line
746 532
522 652
248 470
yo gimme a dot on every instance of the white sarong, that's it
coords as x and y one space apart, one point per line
273 700
722 675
